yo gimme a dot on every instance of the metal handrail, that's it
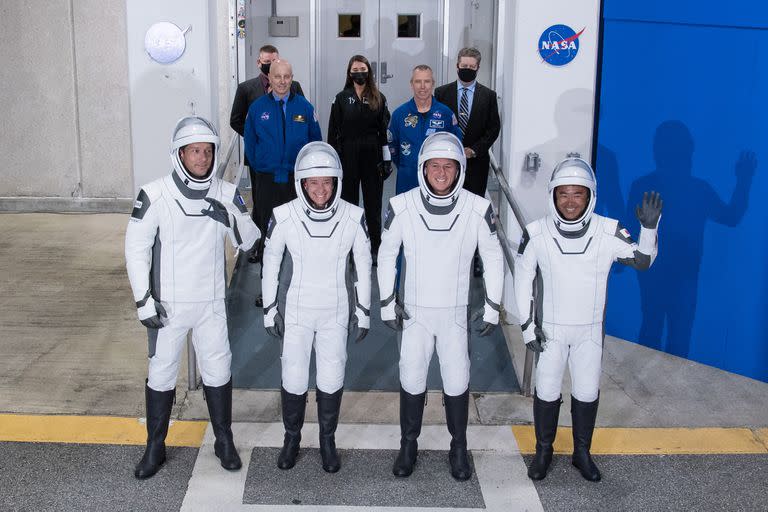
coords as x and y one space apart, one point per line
227 155
525 387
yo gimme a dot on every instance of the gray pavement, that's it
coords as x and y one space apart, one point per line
55 477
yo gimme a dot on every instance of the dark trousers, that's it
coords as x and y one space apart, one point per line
267 195
359 162
476 179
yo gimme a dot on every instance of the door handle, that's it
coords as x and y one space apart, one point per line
384 74
374 69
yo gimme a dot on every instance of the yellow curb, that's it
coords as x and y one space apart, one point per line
654 441
94 430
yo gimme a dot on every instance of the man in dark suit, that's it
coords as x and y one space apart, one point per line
476 109
248 92
478 117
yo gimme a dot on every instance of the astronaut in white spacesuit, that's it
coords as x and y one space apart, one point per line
566 257
174 252
439 225
318 231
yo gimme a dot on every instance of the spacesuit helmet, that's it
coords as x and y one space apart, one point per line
188 131
572 171
441 145
318 160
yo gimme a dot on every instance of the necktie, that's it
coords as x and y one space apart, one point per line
463 111
282 116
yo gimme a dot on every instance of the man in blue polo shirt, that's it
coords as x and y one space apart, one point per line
278 125
414 121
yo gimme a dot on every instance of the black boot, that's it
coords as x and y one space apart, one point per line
411 412
293 419
219 400
159 404
545 416
328 406
583 415
457 417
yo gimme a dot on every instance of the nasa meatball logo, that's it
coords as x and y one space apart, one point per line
559 45
265 116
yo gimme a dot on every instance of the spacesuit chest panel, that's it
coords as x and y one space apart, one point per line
192 258
575 273
438 254
319 252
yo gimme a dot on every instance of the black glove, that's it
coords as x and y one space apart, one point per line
485 328
155 321
400 315
385 169
216 211
537 345
278 328
360 332
648 214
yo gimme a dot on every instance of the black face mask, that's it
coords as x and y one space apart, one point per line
265 68
467 75
359 77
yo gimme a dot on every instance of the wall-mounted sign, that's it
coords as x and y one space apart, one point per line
559 44
165 42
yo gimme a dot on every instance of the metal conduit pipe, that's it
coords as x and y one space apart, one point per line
525 385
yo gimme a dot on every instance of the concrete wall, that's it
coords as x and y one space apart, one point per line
65 99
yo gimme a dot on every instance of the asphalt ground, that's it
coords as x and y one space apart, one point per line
86 463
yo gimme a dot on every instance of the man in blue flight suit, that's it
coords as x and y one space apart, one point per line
414 121
277 126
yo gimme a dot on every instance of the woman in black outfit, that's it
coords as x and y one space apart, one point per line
358 131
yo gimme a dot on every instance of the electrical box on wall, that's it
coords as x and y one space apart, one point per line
284 26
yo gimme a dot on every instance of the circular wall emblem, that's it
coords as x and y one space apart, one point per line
559 44
165 42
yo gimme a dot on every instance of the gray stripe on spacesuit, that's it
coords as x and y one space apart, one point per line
186 191
238 238
362 308
389 217
539 298
430 229
572 253
639 261
151 341
494 306
525 325
573 234
143 301
189 214
524 242
154 269
489 219
385 302
267 308
143 198
238 202
319 236
438 210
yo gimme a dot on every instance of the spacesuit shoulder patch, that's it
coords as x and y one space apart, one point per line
239 202
271 225
524 241
141 205
622 234
390 216
490 219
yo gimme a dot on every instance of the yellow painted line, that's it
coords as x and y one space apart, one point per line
658 441
94 430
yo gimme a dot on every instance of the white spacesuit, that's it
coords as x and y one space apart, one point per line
319 239
439 232
567 262
174 251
